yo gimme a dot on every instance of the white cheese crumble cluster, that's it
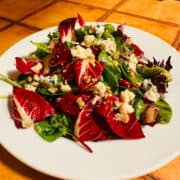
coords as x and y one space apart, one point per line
101 90
88 40
97 29
133 60
50 82
80 52
124 106
151 91
36 68
107 45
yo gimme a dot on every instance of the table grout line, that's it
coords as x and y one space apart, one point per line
114 9
147 18
84 4
110 11
176 43
37 10
12 23
102 18
18 21
150 177
153 176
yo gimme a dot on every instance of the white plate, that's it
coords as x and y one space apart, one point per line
116 159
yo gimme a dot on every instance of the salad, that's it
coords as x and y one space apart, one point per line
89 83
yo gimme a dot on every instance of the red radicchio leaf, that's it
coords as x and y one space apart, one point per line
66 28
24 66
95 50
126 83
29 107
137 51
61 55
130 130
81 21
68 72
68 104
84 69
86 128
120 30
107 106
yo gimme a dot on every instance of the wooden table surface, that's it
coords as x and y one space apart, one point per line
23 17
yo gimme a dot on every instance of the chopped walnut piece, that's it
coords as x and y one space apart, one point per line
116 55
124 118
80 102
52 89
87 79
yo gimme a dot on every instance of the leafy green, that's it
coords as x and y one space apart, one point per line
111 73
103 56
58 125
164 112
135 79
139 107
24 79
42 46
107 35
80 33
69 44
42 49
9 81
148 72
53 36
110 77
44 91
109 28
119 43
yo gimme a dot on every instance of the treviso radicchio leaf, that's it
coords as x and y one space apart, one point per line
130 130
67 26
68 105
81 20
61 55
29 107
87 74
25 66
66 29
137 51
86 128
68 72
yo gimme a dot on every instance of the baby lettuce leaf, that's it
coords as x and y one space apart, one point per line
9 81
111 73
164 112
103 56
107 35
80 33
149 72
42 46
56 126
135 79
53 36
139 107
110 77
109 28
42 49
119 43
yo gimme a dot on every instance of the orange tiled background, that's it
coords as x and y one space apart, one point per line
23 17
